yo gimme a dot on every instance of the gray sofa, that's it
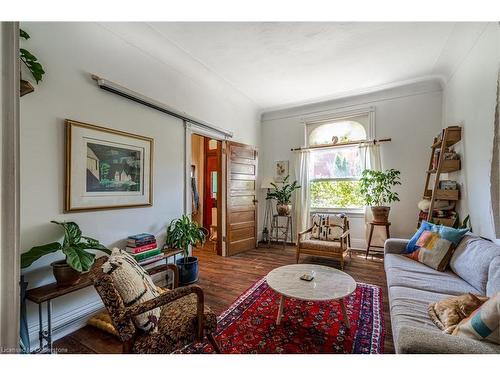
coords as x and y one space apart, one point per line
474 267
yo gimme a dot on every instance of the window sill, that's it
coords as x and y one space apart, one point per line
352 212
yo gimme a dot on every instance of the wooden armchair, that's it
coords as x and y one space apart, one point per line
329 236
183 318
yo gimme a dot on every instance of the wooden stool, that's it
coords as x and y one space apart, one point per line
372 225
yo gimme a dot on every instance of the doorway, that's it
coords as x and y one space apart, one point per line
206 189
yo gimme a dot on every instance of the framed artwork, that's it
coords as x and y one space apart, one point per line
281 170
106 168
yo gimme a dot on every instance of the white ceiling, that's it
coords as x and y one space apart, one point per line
281 64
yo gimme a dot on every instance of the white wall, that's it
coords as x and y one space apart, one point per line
69 53
469 100
410 115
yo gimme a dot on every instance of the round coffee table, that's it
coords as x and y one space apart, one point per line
328 284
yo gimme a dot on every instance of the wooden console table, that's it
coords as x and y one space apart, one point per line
46 293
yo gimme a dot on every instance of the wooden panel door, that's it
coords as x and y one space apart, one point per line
241 198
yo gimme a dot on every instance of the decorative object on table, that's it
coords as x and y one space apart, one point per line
283 195
182 234
376 188
106 168
183 316
435 246
33 65
436 191
329 236
335 140
483 323
282 170
248 326
74 246
447 313
268 213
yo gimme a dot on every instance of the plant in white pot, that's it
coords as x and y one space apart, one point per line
74 247
283 196
376 188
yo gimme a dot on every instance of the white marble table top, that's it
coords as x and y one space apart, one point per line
328 283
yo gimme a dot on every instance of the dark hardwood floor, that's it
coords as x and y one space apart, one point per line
224 279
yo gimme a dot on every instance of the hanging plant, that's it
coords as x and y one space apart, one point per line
31 62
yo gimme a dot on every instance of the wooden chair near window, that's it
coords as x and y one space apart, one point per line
329 236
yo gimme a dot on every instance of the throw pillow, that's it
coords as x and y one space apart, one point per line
134 286
483 323
434 251
446 314
411 246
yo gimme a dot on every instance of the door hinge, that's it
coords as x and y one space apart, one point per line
223 238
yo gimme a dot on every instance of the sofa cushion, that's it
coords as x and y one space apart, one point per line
493 284
471 261
405 272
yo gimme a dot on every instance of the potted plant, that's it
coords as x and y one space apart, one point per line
31 62
68 271
181 234
376 187
283 194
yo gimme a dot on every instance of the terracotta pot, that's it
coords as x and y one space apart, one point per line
283 209
64 274
380 213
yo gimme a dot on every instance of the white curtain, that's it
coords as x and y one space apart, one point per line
302 208
370 157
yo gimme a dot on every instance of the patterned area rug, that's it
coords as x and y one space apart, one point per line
249 325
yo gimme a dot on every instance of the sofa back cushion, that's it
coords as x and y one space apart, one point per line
471 261
493 284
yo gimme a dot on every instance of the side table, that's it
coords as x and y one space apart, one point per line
373 224
280 232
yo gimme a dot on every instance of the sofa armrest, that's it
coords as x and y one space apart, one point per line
413 340
395 245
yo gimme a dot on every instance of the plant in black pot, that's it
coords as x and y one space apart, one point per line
376 188
74 246
181 234
283 196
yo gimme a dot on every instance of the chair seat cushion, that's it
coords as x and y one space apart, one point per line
320 245
177 327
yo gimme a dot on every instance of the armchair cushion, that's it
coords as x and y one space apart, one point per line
177 327
327 246
328 226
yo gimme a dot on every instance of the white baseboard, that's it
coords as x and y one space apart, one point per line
65 323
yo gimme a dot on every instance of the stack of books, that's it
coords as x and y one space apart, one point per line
144 248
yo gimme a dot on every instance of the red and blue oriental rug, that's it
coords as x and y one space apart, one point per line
249 325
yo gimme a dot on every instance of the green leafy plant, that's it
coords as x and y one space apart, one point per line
183 232
30 60
74 246
376 186
462 225
283 193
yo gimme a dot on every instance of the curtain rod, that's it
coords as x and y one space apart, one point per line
372 141
151 103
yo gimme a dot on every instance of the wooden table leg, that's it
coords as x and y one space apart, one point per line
344 313
280 310
369 240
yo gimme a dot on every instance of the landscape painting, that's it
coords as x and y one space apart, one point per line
113 169
106 168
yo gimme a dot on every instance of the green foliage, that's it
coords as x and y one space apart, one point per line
104 170
183 232
30 60
330 194
283 194
74 247
376 186
462 225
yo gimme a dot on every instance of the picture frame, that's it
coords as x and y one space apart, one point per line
106 168
281 170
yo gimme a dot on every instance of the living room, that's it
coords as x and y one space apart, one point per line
303 188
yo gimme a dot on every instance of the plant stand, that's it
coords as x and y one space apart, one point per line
373 224
279 232
268 215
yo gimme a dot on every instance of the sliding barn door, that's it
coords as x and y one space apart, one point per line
241 198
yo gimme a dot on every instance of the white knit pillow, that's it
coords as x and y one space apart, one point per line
134 286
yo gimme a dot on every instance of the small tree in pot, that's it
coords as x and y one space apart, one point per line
283 195
181 234
376 187
68 271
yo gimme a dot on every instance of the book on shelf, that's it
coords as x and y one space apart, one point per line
146 254
141 249
141 236
132 243
153 259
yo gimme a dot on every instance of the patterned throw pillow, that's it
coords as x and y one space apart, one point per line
433 251
327 227
484 323
134 286
411 246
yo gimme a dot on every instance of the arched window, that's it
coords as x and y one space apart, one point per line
335 172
